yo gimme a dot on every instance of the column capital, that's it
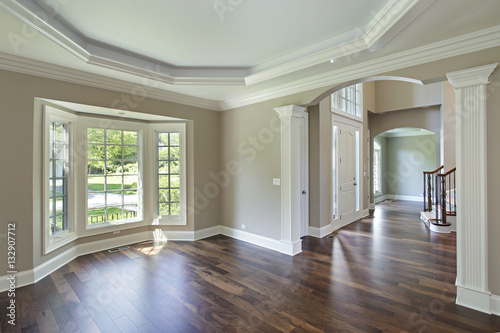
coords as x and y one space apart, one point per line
291 111
472 76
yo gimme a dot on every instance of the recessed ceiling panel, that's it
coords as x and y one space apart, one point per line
216 33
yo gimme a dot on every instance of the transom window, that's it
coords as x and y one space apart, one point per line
112 175
348 100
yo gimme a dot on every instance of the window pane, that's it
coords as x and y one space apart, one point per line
174 167
113 152
60 172
59 151
164 195
114 182
130 152
114 137
96 183
95 168
163 181
114 213
174 139
114 168
175 195
130 167
164 209
174 153
162 167
95 152
163 153
175 181
95 135
130 182
59 189
175 209
129 138
163 139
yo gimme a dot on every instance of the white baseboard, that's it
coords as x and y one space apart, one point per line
321 232
397 197
379 198
372 205
208 232
473 299
365 213
495 304
246 236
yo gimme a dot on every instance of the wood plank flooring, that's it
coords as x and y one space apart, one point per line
381 274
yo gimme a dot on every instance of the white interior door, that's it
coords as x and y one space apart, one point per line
348 143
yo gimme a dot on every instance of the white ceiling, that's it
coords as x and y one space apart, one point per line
219 54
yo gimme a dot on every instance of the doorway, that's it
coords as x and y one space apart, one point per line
346 178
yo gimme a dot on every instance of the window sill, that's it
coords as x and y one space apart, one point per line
58 241
169 221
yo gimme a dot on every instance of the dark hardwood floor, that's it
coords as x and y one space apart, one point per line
381 274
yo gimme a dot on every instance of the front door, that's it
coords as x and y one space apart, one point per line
347 166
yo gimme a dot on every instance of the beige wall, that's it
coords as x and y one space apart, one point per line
320 163
406 160
20 199
251 140
399 95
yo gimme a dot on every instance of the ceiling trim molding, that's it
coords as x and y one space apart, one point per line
42 69
385 19
477 41
473 42
97 54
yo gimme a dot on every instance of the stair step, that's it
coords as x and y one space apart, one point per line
434 221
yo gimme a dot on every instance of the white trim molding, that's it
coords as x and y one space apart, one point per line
291 116
321 232
472 211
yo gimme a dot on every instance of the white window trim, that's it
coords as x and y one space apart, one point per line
153 130
84 229
51 243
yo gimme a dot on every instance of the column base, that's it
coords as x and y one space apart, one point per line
473 299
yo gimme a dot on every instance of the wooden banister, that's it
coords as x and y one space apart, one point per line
431 172
447 173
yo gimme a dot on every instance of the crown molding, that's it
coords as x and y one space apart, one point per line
103 55
42 69
473 42
383 21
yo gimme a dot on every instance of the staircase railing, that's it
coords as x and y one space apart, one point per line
430 186
446 189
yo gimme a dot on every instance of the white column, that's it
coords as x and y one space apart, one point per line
290 116
472 211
